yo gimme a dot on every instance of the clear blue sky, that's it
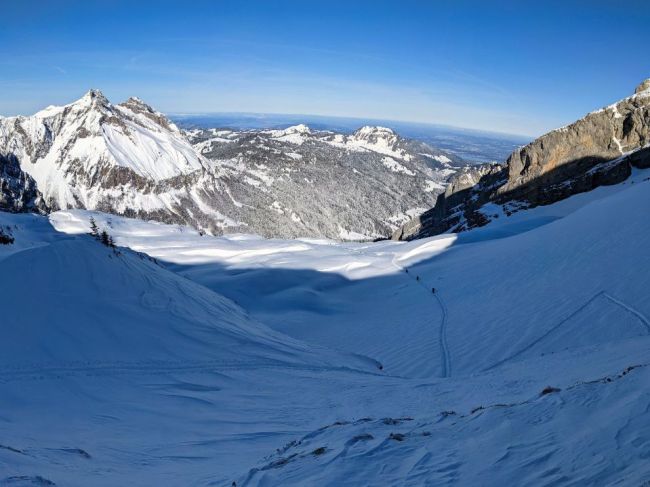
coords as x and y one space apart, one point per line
520 67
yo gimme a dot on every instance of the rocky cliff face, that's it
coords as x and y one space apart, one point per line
18 191
596 150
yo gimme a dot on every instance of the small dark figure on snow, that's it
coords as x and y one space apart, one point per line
433 290
417 278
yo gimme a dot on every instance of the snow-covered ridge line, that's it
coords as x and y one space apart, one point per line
129 159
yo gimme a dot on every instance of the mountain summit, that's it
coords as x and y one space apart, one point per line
130 159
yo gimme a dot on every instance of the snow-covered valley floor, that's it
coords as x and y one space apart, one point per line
194 360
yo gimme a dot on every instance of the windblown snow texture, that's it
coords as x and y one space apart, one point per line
293 362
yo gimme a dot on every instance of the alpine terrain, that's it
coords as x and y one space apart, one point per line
129 159
600 149
142 353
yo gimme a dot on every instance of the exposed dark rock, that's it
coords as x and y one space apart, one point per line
549 390
466 191
18 191
361 437
640 159
644 86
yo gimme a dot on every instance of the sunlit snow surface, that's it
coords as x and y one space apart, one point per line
313 362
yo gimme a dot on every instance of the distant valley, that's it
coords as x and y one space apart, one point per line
474 146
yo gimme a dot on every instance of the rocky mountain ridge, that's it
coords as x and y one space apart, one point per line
129 159
599 149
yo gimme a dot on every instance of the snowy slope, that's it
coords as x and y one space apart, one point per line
554 298
82 302
480 268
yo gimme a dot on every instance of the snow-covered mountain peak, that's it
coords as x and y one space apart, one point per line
370 132
378 139
298 129
296 134
93 97
92 100
146 114
90 151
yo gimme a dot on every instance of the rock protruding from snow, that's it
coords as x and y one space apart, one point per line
18 191
644 86
456 208
93 97
579 157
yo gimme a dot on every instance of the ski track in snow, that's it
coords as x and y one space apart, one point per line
446 371
553 329
444 348
636 313
110 369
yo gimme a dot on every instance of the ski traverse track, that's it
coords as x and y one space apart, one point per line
628 308
642 318
111 369
444 347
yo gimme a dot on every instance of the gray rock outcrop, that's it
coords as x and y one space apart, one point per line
597 150
18 191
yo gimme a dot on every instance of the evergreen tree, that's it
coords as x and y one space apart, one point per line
94 229
104 238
